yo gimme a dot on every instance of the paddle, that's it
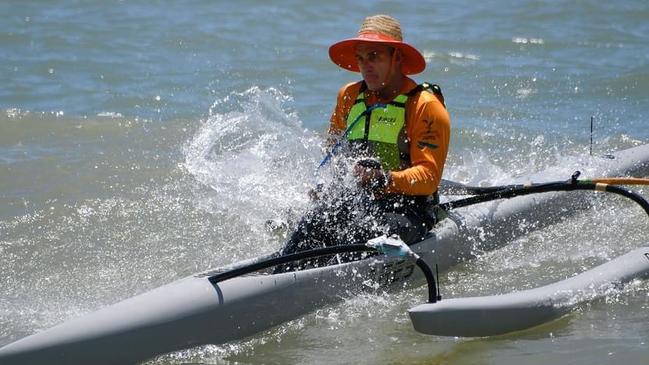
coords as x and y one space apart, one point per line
448 187
511 191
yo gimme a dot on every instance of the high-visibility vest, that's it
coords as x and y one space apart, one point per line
384 127
379 132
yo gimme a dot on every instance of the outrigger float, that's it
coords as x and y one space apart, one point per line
238 301
501 314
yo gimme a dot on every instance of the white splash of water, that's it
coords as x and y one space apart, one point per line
254 156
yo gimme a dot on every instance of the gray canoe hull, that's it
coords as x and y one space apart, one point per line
191 311
500 314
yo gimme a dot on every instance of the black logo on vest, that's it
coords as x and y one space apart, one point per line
386 120
646 254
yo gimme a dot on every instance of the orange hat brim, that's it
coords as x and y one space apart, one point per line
343 53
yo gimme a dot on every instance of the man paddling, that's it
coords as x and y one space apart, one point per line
396 133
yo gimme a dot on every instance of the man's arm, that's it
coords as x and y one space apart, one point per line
429 133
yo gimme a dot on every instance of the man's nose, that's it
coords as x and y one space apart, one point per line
364 64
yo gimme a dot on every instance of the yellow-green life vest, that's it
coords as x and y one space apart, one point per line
380 130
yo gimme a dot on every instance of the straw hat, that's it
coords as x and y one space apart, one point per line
382 29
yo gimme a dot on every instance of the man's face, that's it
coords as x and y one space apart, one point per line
375 62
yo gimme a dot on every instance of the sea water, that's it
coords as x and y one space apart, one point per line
143 141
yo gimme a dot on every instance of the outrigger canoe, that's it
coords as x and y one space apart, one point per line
195 310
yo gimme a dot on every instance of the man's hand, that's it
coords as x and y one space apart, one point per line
370 174
316 193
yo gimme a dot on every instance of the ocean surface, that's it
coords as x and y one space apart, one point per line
143 141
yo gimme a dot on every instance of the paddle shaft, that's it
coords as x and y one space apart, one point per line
520 190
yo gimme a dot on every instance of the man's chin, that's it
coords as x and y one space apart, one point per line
374 86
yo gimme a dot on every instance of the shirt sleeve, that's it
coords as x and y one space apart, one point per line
429 131
338 121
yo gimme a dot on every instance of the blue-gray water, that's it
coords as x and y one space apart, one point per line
142 141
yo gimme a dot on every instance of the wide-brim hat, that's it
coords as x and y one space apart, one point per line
382 29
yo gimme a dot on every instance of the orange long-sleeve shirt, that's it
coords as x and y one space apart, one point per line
428 127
